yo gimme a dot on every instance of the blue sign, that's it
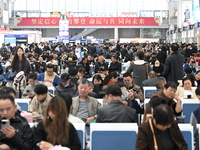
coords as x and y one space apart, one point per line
16 35
198 24
191 27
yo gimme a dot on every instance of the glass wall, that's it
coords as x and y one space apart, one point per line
91 8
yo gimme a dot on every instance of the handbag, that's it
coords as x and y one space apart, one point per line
154 137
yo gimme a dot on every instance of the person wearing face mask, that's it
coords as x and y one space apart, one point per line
66 86
32 82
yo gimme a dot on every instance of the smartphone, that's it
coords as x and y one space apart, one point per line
5 123
189 96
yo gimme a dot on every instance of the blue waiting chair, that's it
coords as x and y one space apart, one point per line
113 136
148 89
80 128
23 103
189 105
187 131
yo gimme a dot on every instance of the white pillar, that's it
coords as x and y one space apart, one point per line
116 34
179 13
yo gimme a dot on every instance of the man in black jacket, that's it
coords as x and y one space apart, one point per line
116 111
66 87
16 134
115 65
173 68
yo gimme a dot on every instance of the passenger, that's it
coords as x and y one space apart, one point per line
139 68
86 65
197 77
49 77
29 90
40 65
73 75
173 68
159 83
150 81
115 111
100 63
39 102
68 102
18 135
169 93
84 106
161 132
20 62
186 91
55 128
135 91
111 79
128 98
97 82
115 65
66 86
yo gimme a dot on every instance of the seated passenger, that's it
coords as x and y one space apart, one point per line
84 106
136 91
55 128
29 90
159 83
66 86
161 131
18 134
39 102
186 91
115 65
168 93
49 77
115 111
110 79
100 63
128 98
97 82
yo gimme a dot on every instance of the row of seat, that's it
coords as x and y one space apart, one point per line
189 105
118 136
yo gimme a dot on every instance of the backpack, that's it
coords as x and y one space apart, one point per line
4 51
19 82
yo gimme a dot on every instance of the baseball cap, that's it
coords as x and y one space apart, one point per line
64 77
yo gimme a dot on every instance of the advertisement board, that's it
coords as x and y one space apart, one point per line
88 21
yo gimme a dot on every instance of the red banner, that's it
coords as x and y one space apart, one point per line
89 21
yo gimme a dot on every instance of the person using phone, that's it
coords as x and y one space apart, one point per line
15 133
32 82
186 91
55 130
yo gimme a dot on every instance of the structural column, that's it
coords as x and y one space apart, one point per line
179 13
116 34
